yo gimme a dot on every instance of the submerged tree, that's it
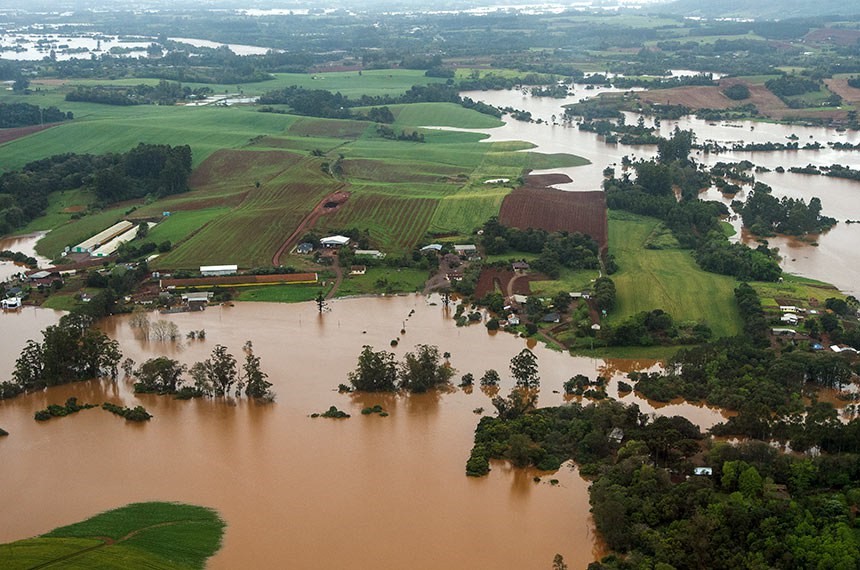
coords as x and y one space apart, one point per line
160 375
422 370
217 375
256 385
376 371
524 369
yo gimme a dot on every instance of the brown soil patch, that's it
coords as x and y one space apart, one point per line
543 180
493 279
840 87
712 97
835 36
74 209
239 280
556 210
8 135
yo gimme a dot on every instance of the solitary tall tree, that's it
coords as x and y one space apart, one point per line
320 300
525 370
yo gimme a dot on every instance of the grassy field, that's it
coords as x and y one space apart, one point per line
569 280
794 290
667 279
281 293
141 535
383 280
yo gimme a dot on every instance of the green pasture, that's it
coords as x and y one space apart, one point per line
205 129
383 280
667 279
568 280
141 535
181 224
795 290
281 293
441 115
353 84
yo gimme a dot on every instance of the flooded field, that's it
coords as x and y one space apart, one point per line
363 492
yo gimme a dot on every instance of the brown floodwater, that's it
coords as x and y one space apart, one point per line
25 244
834 259
365 492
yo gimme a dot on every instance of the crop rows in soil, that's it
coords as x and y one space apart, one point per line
396 223
556 210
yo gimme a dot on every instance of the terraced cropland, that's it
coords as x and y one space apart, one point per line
257 176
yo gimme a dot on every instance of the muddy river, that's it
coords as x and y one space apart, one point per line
364 492
833 258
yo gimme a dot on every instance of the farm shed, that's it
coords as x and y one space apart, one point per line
358 270
218 270
465 249
374 253
432 247
304 248
334 241
88 246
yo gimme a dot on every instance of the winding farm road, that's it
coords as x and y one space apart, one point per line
338 197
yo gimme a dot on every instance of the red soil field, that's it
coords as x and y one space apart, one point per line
493 278
7 135
556 210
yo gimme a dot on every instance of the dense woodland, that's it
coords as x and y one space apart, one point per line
25 115
164 93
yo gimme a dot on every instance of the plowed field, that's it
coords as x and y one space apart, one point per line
556 210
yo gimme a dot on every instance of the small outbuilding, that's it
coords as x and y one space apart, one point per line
703 471
358 270
551 318
304 248
520 266
432 247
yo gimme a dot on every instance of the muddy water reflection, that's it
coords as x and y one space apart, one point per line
358 493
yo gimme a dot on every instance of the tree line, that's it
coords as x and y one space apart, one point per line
218 376
555 249
164 93
322 103
25 115
147 169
